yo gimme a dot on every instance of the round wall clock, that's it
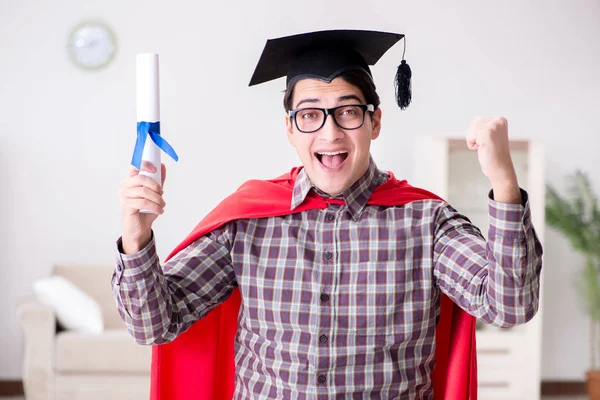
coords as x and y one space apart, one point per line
92 45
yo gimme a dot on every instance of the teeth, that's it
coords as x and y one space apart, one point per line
331 153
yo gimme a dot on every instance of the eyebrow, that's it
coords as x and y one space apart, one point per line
341 98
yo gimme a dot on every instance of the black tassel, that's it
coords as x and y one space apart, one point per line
402 84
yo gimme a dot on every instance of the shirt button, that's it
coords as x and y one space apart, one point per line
330 217
323 339
324 297
322 379
328 255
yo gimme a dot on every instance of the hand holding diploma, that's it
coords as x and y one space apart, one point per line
141 192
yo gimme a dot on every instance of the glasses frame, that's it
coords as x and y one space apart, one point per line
331 111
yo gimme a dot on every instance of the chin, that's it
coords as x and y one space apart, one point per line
333 181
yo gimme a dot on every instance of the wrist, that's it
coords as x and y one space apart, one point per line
131 245
503 176
507 191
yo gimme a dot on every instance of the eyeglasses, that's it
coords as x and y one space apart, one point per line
351 116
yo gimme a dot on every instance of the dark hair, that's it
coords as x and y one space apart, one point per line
358 78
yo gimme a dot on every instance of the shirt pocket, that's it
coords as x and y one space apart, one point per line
371 309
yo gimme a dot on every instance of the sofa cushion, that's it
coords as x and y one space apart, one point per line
94 279
74 309
110 352
100 387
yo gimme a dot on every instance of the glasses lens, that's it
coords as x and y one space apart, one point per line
349 117
309 119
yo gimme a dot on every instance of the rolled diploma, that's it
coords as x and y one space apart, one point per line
148 106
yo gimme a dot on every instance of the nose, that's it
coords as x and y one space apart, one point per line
330 132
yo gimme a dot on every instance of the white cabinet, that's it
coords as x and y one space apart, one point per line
509 360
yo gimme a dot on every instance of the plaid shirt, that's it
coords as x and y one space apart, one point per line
341 302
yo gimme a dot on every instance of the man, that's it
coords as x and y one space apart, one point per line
341 268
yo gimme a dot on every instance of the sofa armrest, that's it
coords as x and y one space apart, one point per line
39 325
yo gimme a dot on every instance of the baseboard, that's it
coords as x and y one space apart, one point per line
549 388
563 388
11 388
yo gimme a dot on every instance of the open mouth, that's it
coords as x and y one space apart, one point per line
332 159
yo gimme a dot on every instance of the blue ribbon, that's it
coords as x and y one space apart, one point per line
152 129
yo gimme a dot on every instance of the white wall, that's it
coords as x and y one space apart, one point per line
66 136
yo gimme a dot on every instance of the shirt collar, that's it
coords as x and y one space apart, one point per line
356 196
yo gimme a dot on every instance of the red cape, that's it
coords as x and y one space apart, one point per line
199 364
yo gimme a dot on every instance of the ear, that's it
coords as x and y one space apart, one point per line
289 129
376 124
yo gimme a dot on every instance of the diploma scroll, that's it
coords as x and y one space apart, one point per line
148 105
149 142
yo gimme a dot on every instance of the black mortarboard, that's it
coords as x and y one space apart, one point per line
325 55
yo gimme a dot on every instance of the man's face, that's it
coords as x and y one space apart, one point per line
334 158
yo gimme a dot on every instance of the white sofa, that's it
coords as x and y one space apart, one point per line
69 365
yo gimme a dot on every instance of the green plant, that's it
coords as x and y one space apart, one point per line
577 216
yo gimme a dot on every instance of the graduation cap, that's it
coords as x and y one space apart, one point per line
325 55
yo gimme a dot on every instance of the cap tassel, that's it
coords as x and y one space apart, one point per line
403 89
402 82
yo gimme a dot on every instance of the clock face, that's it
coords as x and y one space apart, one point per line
92 45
